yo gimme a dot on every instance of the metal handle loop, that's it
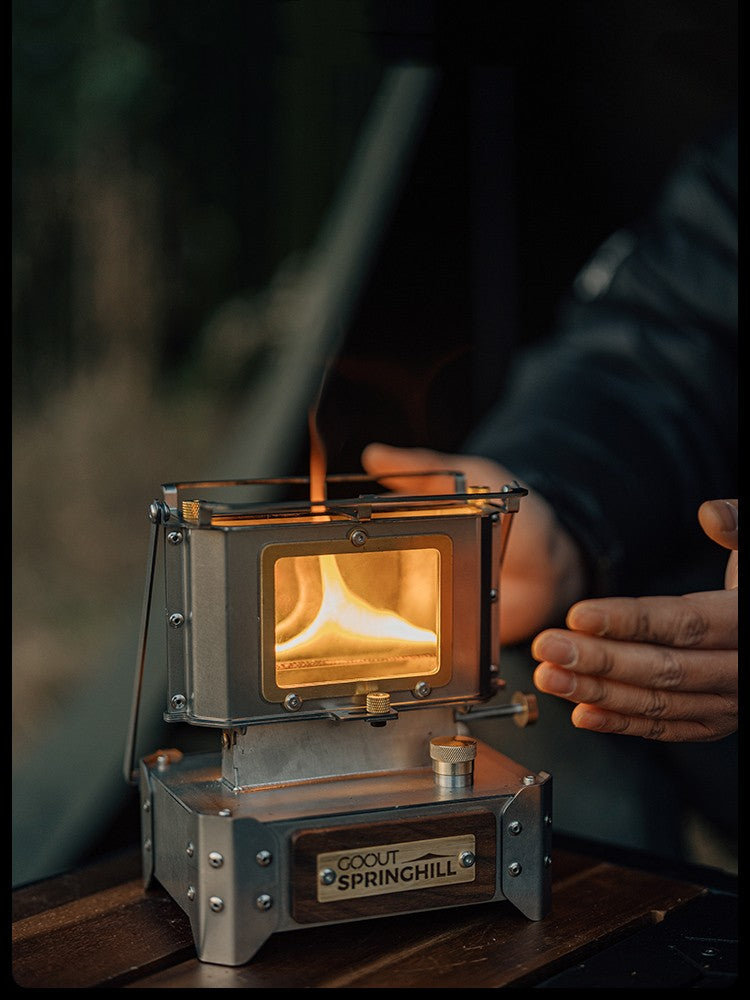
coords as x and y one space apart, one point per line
159 514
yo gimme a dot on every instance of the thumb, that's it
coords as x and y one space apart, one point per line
719 520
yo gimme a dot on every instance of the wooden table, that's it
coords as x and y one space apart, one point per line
611 924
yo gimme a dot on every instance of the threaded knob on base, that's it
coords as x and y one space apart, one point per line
453 760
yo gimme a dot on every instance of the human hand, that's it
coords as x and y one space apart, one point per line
718 518
542 572
664 668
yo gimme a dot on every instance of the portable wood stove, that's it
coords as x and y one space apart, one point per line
341 647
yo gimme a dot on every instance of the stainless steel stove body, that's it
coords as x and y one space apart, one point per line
340 648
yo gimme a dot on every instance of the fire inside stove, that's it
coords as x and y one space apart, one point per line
359 616
341 643
366 617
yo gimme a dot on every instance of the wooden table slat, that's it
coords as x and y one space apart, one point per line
119 935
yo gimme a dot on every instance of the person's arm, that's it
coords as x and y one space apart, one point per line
542 571
625 418
663 668
623 421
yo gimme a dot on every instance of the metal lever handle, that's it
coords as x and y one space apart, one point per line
522 706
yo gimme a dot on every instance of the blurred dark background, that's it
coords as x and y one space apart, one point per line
174 164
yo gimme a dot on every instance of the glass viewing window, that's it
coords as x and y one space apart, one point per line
353 617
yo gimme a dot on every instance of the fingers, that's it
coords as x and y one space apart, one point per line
384 462
706 620
377 457
665 730
719 520
660 668
597 669
692 697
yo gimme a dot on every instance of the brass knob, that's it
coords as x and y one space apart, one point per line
453 749
453 760
378 703
528 710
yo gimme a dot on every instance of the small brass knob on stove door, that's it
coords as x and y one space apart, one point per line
378 703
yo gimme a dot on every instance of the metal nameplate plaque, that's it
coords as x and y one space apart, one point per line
400 867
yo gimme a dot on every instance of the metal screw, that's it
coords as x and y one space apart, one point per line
709 953
514 828
327 876
547 861
264 901
467 859
216 903
191 892
494 517
493 594
215 859
422 689
225 812
178 702
529 779
158 512
174 537
548 821
190 850
147 806
263 858
176 620
147 844
358 537
292 702
514 869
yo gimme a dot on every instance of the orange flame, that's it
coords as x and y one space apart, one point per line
332 625
345 624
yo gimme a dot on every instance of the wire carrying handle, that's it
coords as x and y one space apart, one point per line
159 514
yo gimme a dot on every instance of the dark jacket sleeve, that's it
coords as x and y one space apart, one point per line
625 419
